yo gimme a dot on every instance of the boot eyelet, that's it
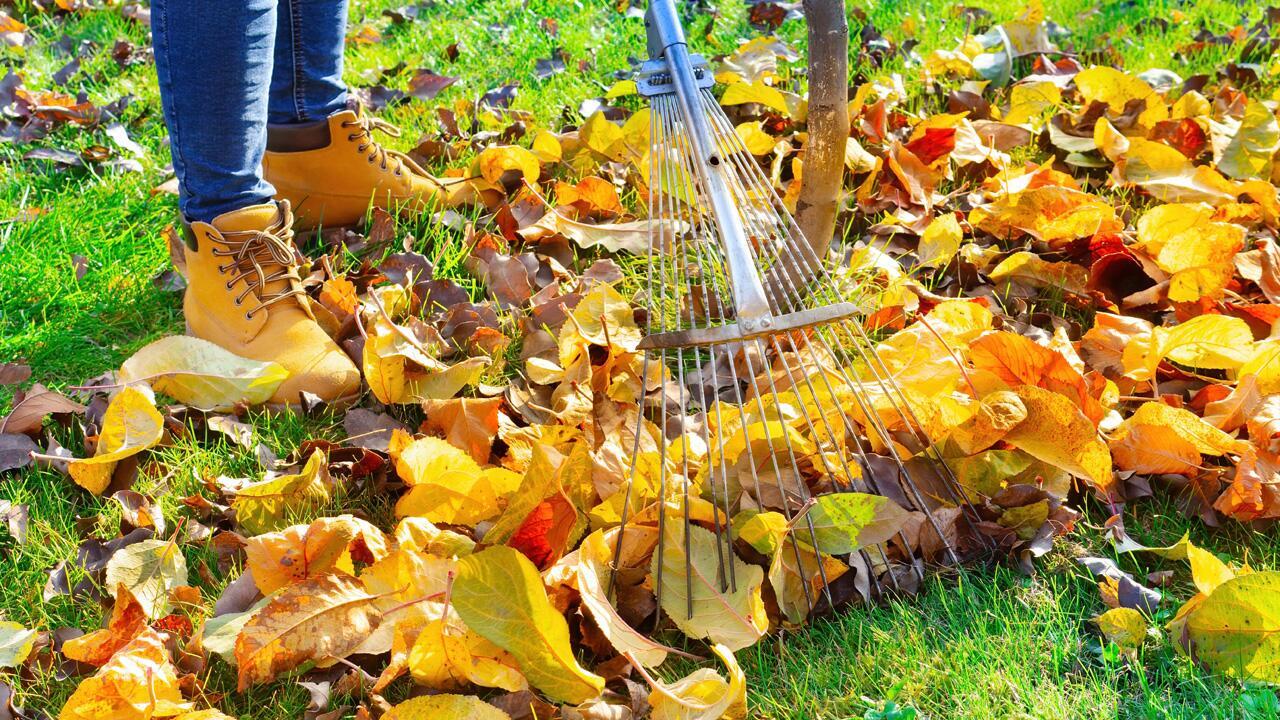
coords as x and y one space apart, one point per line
351 137
248 316
228 285
239 302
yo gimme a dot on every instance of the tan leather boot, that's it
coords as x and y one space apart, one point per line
244 294
332 171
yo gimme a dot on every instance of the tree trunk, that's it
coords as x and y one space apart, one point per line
823 176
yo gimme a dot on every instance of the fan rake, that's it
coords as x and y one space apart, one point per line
766 365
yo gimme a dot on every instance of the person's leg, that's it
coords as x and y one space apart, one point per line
244 291
306 81
321 155
213 61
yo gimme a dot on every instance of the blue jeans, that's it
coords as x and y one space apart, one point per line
226 69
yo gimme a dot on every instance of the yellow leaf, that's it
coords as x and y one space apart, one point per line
799 574
546 147
604 318
447 485
621 88
599 133
445 707
320 619
755 92
500 596
1117 89
764 531
594 562
846 522
1248 150
940 241
755 139
1166 173
702 695
402 368
496 160
276 503
1186 242
1236 629
1123 626
1207 571
734 617
130 425
421 535
138 683
1030 269
198 373
150 569
1163 439
1029 100
1216 342
447 655
15 644
1057 433
1264 365
1050 213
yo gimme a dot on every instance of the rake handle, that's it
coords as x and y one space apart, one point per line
666 41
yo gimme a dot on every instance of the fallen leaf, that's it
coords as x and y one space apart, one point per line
595 557
15 644
1235 630
1123 626
1056 432
279 502
131 424
289 556
1158 438
128 620
847 522
500 596
467 423
446 484
1187 243
445 707
138 683
702 695
318 620
198 373
733 617
150 570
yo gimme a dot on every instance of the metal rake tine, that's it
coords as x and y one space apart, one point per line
822 280
784 304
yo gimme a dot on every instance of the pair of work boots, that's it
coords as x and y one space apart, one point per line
244 291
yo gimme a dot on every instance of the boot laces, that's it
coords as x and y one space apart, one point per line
259 258
363 126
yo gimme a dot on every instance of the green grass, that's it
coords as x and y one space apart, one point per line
989 643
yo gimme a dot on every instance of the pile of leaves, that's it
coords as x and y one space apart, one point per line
1075 282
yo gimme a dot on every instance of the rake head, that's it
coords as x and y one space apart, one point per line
773 391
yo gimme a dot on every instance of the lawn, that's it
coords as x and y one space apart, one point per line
81 251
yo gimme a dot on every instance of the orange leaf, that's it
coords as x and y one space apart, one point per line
1018 361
